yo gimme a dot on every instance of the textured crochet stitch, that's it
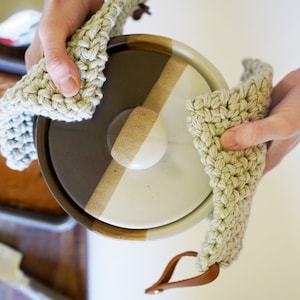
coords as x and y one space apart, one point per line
233 175
36 95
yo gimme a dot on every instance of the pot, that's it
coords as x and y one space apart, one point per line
132 171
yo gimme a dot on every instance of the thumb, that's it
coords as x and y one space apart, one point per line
61 68
253 133
53 33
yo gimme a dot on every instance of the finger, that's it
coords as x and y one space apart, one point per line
33 53
279 92
283 87
54 31
277 151
253 133
61 68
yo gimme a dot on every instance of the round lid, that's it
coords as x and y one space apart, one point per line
134 165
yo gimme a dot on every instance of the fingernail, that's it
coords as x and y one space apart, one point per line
69 87
228 140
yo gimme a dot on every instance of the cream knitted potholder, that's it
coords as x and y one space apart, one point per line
234 175
36 95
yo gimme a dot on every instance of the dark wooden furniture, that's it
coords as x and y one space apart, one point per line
57 259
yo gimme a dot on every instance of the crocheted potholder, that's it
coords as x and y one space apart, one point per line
234 175
36 95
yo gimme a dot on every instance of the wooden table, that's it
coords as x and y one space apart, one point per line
57 259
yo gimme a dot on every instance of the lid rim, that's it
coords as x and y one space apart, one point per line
135 41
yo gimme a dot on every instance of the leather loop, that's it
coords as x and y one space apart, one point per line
163 283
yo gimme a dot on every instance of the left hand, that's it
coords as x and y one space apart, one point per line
59 21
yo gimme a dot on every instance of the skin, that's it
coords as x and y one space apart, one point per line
56 25
281 129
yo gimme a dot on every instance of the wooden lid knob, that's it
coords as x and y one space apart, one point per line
142 141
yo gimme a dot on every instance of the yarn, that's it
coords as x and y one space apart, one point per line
234 175
36 95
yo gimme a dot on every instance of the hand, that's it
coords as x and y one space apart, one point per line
59 21
281 128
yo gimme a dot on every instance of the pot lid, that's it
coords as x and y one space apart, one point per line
134 165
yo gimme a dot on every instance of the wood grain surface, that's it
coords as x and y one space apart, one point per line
24 189
57 259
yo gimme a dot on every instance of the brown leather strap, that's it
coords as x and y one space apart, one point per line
163 283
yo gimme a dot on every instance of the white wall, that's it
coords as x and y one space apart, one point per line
268 267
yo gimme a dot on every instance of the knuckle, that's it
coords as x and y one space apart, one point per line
293 78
